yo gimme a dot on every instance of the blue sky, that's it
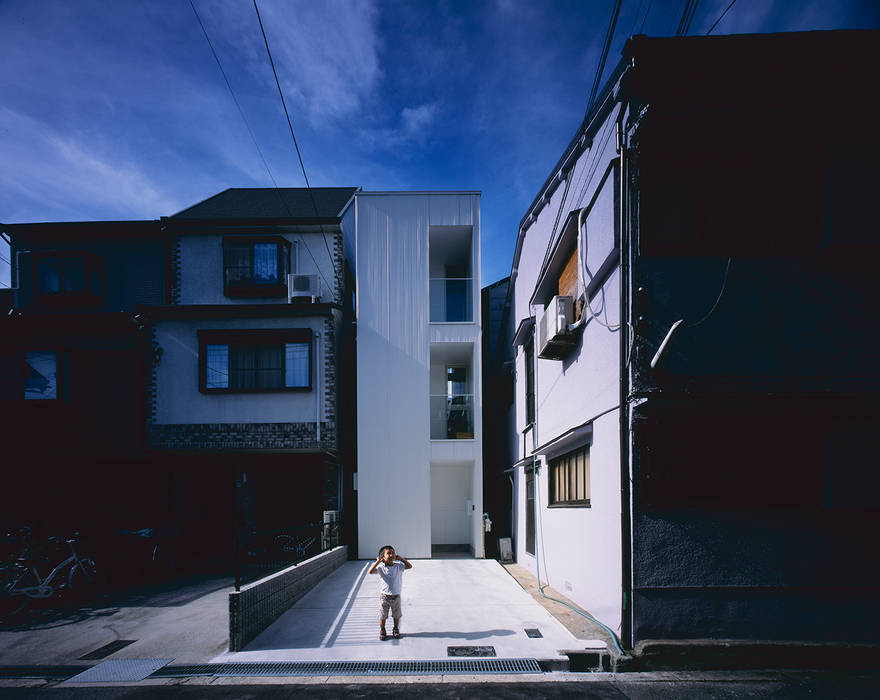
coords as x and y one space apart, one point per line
117 110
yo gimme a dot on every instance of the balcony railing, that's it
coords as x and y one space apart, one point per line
452 300
452 417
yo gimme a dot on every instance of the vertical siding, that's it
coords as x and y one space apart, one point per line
393 357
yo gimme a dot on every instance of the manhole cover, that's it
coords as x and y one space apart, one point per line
470 651
533 632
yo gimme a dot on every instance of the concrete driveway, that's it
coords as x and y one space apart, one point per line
446 602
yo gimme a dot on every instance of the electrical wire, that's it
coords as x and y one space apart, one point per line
720 17
253 138
609 34
296 145
645 18
717 299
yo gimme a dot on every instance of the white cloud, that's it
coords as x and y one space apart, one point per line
326 53
415 120
65 178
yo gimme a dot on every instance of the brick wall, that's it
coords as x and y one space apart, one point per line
257 605
238 436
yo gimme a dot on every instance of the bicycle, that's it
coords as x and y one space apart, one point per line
20 579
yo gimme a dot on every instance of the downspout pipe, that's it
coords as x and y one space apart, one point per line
625 328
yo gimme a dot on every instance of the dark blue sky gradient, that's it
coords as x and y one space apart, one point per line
118 110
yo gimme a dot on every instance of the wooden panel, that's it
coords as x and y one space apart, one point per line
568 278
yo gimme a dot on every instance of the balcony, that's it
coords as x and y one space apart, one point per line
452 299
452 417
451 274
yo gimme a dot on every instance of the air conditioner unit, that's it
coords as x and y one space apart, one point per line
554 340
303 288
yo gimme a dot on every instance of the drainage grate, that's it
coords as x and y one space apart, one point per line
116 670
354 668
470 651
41 671
533 632
107 649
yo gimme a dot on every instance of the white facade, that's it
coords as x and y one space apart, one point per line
577 546
415 261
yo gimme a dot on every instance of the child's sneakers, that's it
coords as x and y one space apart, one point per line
382 635
395 633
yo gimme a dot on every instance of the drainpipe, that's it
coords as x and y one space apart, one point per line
625 514
318 386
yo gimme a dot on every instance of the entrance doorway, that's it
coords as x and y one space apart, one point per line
451 509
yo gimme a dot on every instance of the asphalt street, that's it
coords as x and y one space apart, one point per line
683 686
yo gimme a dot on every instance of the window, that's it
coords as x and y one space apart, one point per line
254 361
570 478
40 374
68 277
530 380
530 511
255 266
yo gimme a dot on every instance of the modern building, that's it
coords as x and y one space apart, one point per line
414 260
695 327
243 402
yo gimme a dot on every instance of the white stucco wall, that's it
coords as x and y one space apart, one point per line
387 239
578 549
178 399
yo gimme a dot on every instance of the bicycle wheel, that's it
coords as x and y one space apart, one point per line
84 580
10 603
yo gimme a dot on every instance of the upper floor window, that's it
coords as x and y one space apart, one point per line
253 361
255 266
67 276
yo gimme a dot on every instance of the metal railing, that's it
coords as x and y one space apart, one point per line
452 299
452 416
260 553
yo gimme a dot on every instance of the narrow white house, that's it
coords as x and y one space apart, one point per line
415 261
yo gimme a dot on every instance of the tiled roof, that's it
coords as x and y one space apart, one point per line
271 203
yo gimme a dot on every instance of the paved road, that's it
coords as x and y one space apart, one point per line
637 686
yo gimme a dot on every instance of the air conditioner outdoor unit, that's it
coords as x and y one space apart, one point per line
554 340
302 288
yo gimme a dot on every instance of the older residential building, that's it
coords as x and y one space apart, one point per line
696 330
414 258
73 376
244 361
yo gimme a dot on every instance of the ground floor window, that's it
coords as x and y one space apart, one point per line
569 480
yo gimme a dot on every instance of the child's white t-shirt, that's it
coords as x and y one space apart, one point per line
390 578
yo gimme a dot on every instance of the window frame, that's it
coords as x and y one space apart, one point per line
252 289
554 467
269 338
93 264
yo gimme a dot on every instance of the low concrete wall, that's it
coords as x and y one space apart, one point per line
258 604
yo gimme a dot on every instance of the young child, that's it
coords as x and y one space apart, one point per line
390 568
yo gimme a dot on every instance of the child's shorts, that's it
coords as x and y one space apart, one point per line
386 602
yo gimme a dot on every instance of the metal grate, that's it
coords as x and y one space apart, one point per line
41 671
107 649
354 668
533 633
116 670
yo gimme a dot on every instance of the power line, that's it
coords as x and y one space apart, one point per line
645 18
253 138
609 33
720 17
296 145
